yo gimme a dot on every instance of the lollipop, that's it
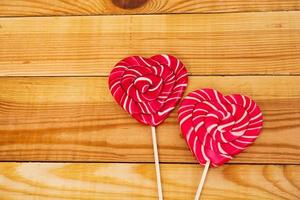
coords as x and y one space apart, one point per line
149 89
217 127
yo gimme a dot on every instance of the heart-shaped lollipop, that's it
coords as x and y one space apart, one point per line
148 88
217 127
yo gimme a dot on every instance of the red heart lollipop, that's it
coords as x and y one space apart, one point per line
217 127
148 88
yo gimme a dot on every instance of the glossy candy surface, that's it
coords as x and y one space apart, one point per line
217 127
148 88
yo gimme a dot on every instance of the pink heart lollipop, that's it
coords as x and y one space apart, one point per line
218 127
149 89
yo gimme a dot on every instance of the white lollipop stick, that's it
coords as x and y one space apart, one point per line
204 173
158 178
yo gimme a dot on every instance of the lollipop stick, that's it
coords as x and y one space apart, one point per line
158 179
199 190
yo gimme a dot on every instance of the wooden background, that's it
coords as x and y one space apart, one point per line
63 137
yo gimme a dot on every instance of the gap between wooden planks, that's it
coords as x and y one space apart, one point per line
214 44
76 119
96 7
88 181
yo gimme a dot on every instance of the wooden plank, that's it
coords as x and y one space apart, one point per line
76 119
137 181
95 7
218 44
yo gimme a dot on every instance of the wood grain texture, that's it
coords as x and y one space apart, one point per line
96 7
218 44
137 181
76 119
57 117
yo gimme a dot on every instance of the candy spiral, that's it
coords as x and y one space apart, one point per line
217 127
148 88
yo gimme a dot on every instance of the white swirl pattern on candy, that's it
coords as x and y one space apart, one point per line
148 88
217 127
